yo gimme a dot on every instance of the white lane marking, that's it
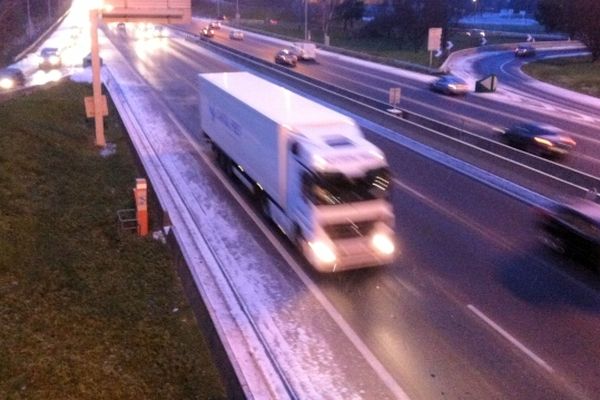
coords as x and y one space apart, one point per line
511 339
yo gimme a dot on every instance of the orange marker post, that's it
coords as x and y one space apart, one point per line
141 204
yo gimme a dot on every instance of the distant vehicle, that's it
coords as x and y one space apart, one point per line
525 50
305 51
215 25
160 32
572 228
286 57
450 84
310 168
87 61
49 58
11 78
207 32
236 34
121 27
539 139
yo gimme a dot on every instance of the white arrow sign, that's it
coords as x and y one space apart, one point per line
438 53
483 41
529 38
449 45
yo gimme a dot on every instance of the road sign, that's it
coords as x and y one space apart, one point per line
395 96
487 84
156 11
483 41
434 40
449 45
90 109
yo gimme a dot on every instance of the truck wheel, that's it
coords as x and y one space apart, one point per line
264 205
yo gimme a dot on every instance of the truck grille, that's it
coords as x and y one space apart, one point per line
349 230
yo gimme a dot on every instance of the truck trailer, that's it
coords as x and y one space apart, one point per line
311 169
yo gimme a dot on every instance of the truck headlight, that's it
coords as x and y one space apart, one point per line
6 83
383 243
323 252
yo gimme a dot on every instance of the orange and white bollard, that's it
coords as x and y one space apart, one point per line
141 205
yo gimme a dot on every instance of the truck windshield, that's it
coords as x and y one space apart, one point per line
336 188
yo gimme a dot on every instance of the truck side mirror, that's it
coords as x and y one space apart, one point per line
295 148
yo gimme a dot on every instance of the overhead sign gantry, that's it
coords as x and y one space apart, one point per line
154 11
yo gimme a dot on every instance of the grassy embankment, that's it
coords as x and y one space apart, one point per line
578 74
86 311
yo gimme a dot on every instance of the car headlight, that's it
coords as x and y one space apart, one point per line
6 83
323 252
383 244
54 60
544 142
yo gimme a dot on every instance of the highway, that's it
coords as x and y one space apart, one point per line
474 308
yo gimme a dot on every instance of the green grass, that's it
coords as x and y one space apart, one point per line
578 74
86 311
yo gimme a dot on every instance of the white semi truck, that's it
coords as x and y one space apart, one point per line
313 172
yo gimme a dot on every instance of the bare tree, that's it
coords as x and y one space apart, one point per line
579 18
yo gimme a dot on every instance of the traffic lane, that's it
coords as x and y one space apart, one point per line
432 342
466 113
417 98
479 246
474 113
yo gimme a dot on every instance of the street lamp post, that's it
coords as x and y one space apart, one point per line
305 19
237 12
29 23
98 99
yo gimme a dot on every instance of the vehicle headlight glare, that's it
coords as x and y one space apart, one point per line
323 252
6 83
383 243
544 142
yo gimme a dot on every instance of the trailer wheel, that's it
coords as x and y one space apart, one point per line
264 205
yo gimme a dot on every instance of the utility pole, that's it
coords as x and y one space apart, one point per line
29 23
305 19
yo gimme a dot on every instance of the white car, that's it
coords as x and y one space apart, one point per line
236 35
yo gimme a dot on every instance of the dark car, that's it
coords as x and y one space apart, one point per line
207 32
286 57
11 78
449 84
49 58
87 61
572 228
539 139
525 50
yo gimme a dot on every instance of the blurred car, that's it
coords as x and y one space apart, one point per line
87 61
305 51
215 25
121 27
286 57
160 32
450 84
524 50
11 78
572 228
49 58
236 34
539 139
207 32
